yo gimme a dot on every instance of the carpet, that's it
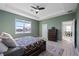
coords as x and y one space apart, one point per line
52 51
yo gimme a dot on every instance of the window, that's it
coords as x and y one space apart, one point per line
68 28
22 26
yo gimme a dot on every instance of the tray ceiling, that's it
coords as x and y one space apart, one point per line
51 9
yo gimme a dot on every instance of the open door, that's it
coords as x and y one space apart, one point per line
68 31
44 32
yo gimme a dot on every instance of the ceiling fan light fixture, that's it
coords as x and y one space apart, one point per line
37 10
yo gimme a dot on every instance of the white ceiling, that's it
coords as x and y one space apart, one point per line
51 9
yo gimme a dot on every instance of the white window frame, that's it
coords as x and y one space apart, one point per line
22 21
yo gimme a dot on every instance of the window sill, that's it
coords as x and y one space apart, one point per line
22 32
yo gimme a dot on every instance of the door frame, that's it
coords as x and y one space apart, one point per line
74 31
45 38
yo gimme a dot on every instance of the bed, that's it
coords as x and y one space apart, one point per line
25 41
27 46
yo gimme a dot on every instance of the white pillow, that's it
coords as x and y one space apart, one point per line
8 40
7 35
3 47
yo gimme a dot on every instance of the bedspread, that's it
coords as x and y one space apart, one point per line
25 41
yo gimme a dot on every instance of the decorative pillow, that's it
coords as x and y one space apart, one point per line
1 54
3 48
4 34
8 40
0 40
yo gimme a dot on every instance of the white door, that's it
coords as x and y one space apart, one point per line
68 31
44 32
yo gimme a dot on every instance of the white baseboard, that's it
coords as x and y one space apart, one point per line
77 51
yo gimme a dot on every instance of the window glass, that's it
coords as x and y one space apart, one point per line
22 26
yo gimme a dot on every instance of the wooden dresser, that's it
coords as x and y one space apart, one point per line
52 34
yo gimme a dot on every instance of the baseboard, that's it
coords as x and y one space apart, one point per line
77 51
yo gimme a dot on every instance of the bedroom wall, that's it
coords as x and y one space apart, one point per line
56 22
7 24
77 33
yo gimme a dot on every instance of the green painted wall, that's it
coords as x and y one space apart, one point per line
56 22
77 33
7 24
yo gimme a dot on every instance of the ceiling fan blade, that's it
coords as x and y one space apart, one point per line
33 7
41 8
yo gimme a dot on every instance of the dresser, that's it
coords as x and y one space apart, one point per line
52 34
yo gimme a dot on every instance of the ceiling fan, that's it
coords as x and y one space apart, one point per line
38 8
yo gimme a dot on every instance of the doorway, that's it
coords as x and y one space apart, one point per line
44 32
68 32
